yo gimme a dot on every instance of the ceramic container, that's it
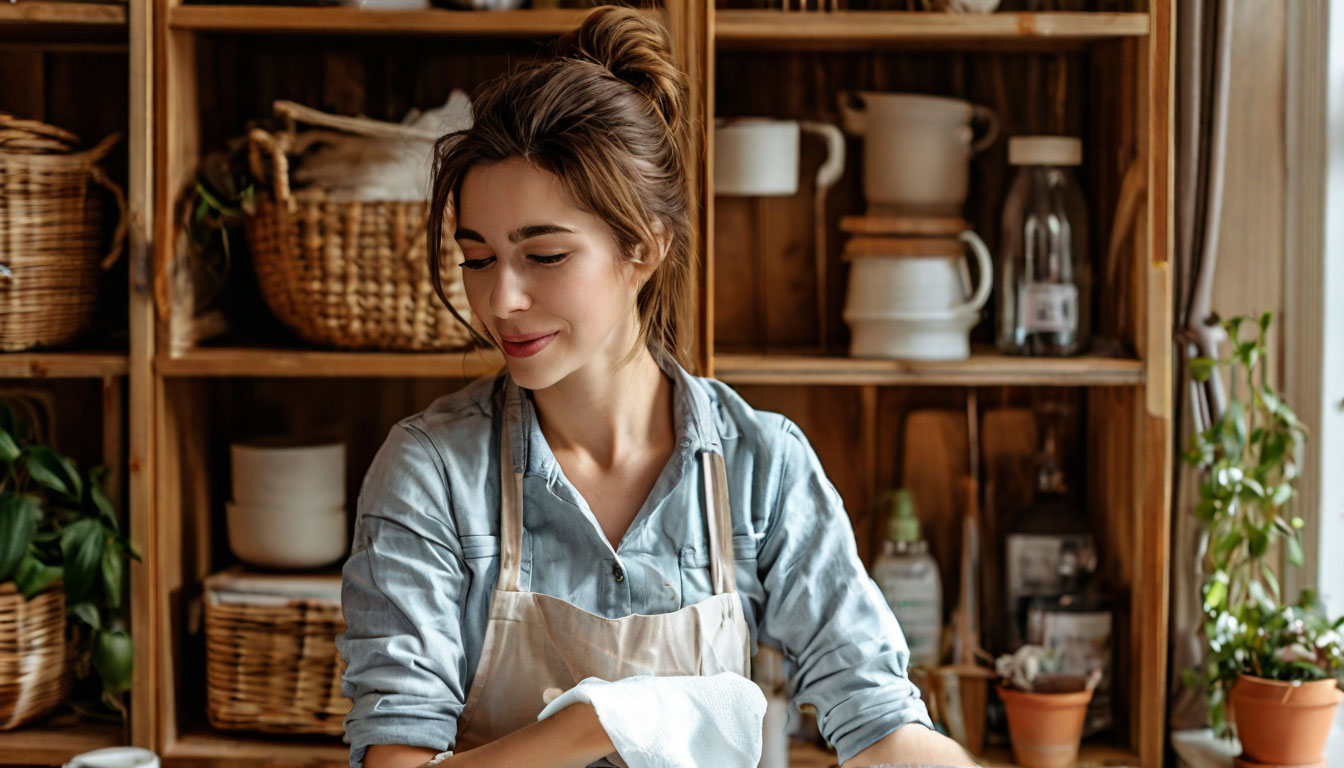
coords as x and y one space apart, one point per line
282 472
286 538
916 150
1045 728
115 757
758 156
1283 723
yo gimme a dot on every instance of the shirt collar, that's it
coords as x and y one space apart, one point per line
692 413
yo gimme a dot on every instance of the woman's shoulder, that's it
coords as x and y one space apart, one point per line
737 420
455 429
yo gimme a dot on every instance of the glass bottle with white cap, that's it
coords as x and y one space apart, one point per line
1045 270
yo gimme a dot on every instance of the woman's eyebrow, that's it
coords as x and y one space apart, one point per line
518 235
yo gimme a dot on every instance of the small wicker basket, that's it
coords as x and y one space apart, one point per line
50 231
271 659
36 665
346 273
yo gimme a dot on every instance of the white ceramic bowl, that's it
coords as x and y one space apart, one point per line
945 337
282 472
115 757
279 537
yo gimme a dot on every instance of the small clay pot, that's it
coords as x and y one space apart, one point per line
1045 728
1283 723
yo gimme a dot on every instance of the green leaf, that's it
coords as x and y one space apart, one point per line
18 526
1226 544
1206 509
87 613
9 450
114 659
1265 318
1259 543
73 479
82 551
97 480
1282 493
33 576
1215 593
1295 555
1201 368
114 572
44 466
1271 580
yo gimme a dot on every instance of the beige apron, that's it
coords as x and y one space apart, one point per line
535 641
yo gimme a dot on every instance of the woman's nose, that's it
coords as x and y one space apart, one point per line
510 293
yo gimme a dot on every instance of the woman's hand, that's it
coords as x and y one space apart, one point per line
571 738
912 743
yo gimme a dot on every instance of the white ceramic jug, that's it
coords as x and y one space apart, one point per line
916 150
908 297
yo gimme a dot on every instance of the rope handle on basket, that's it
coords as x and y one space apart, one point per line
275 146
293 112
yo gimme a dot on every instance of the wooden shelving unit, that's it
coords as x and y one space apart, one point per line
71 64
195 399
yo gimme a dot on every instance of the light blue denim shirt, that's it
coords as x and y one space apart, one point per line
417 585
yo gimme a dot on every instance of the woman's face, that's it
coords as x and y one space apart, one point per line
544 278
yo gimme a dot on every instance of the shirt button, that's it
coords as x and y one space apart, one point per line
685 443
618 572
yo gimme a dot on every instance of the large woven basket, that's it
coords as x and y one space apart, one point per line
346 273
50 242
272 665
36 666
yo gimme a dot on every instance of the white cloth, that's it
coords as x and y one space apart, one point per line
679 721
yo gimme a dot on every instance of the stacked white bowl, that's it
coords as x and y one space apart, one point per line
288 508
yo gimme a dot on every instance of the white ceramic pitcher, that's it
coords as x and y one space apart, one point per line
908 297
916 150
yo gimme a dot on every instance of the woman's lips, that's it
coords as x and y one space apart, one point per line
526 348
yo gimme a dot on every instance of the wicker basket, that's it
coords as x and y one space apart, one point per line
36 666
271 659
347 273
50 254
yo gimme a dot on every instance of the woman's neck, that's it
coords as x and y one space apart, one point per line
608 415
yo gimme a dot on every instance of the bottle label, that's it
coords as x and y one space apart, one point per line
919 611
1049 307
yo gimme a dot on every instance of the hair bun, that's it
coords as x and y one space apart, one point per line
634 47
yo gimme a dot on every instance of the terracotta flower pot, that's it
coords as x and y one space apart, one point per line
1045 728
1281 723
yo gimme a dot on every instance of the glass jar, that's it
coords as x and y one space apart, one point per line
1045 269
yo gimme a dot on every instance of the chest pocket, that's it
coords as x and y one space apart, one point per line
481 555
695 583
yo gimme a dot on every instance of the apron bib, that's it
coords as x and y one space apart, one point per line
534 641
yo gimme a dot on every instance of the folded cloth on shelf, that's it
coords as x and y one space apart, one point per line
677 721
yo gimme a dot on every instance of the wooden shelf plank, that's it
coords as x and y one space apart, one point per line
206 746
224 362
794 29
55 741
344 20
983 368
805 755
51 14
62 365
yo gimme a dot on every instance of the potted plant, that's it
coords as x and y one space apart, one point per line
1045 708
62 553
1273 668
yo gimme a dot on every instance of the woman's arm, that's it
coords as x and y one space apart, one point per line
912 743
571 738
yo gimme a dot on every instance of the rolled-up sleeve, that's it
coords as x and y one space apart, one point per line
846 655
402 591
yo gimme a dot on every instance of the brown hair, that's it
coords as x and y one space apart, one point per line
607 117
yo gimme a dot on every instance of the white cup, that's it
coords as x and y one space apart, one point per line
758 156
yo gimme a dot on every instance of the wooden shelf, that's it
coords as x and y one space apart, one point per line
805 755
55 741
205 746
290 363
846 29
983 368
53 14
62 365
517 24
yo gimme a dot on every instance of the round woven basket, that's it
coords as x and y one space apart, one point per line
36 668
346 273
50 249
274 668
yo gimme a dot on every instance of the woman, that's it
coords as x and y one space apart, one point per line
668 526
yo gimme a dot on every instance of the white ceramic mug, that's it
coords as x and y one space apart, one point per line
916 150
758 156
281 471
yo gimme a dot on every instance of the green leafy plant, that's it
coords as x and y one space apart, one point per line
1249 460
57 523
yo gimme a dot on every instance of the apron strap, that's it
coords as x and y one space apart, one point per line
510 498
721 573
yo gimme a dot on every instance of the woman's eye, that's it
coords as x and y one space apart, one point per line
477 263
556 259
